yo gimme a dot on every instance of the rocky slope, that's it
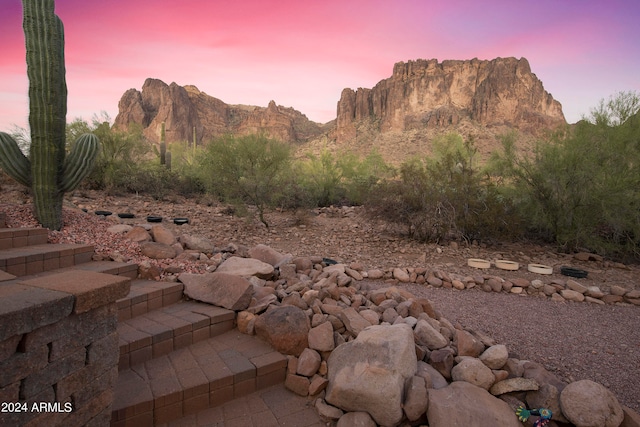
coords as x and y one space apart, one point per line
184 108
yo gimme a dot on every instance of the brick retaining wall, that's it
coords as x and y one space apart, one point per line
59 349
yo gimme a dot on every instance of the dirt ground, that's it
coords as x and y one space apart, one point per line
345 234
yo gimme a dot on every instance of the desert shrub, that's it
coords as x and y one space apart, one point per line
248 168
580 187
445 196
341 179
121 153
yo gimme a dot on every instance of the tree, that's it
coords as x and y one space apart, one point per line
247 168
581 187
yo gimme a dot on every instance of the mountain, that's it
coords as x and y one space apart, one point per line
398 117
183 108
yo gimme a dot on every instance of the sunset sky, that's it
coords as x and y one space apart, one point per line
301 54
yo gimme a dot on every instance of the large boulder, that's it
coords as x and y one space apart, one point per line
464 404
368 374
588 404
223 290
285 328
246 267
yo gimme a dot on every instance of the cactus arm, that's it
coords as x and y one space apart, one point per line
13 162
79 162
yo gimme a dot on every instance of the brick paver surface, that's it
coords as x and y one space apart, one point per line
272 407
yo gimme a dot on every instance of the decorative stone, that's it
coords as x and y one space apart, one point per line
246 267
473 371
513 384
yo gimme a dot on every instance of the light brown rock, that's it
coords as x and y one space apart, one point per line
473 371
138 234
223 290
356 419
495 356
513 384
308 362
161 235
321 337
156 250
416 398
586 403
246 267
463 404
427 335
368 374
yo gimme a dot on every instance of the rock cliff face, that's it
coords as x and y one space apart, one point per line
183 108
428 94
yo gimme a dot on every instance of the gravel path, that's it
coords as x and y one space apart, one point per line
574 340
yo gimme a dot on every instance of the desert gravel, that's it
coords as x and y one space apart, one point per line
573 340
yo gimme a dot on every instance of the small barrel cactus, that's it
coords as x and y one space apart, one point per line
47 170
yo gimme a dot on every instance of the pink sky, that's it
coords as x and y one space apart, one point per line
301 54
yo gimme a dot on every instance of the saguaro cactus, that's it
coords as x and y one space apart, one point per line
47 170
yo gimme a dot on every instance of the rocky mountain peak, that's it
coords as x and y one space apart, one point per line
431 94
184 108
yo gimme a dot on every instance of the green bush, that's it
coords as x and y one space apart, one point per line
445 197
344 179
249 168
580 187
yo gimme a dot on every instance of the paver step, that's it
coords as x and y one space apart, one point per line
20 237
126 269
165 329
146 296
34 259
199 376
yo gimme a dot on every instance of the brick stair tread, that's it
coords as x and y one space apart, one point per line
44 251
175 326
148 295
108 267
204 374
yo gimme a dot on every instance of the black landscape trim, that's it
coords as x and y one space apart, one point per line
104 213
573 272
153 218
126 215
180 221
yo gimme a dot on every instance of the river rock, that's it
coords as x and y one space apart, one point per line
368 374
588 404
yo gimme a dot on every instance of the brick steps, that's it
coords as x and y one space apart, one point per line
19 237
205 374
165 329
34 259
